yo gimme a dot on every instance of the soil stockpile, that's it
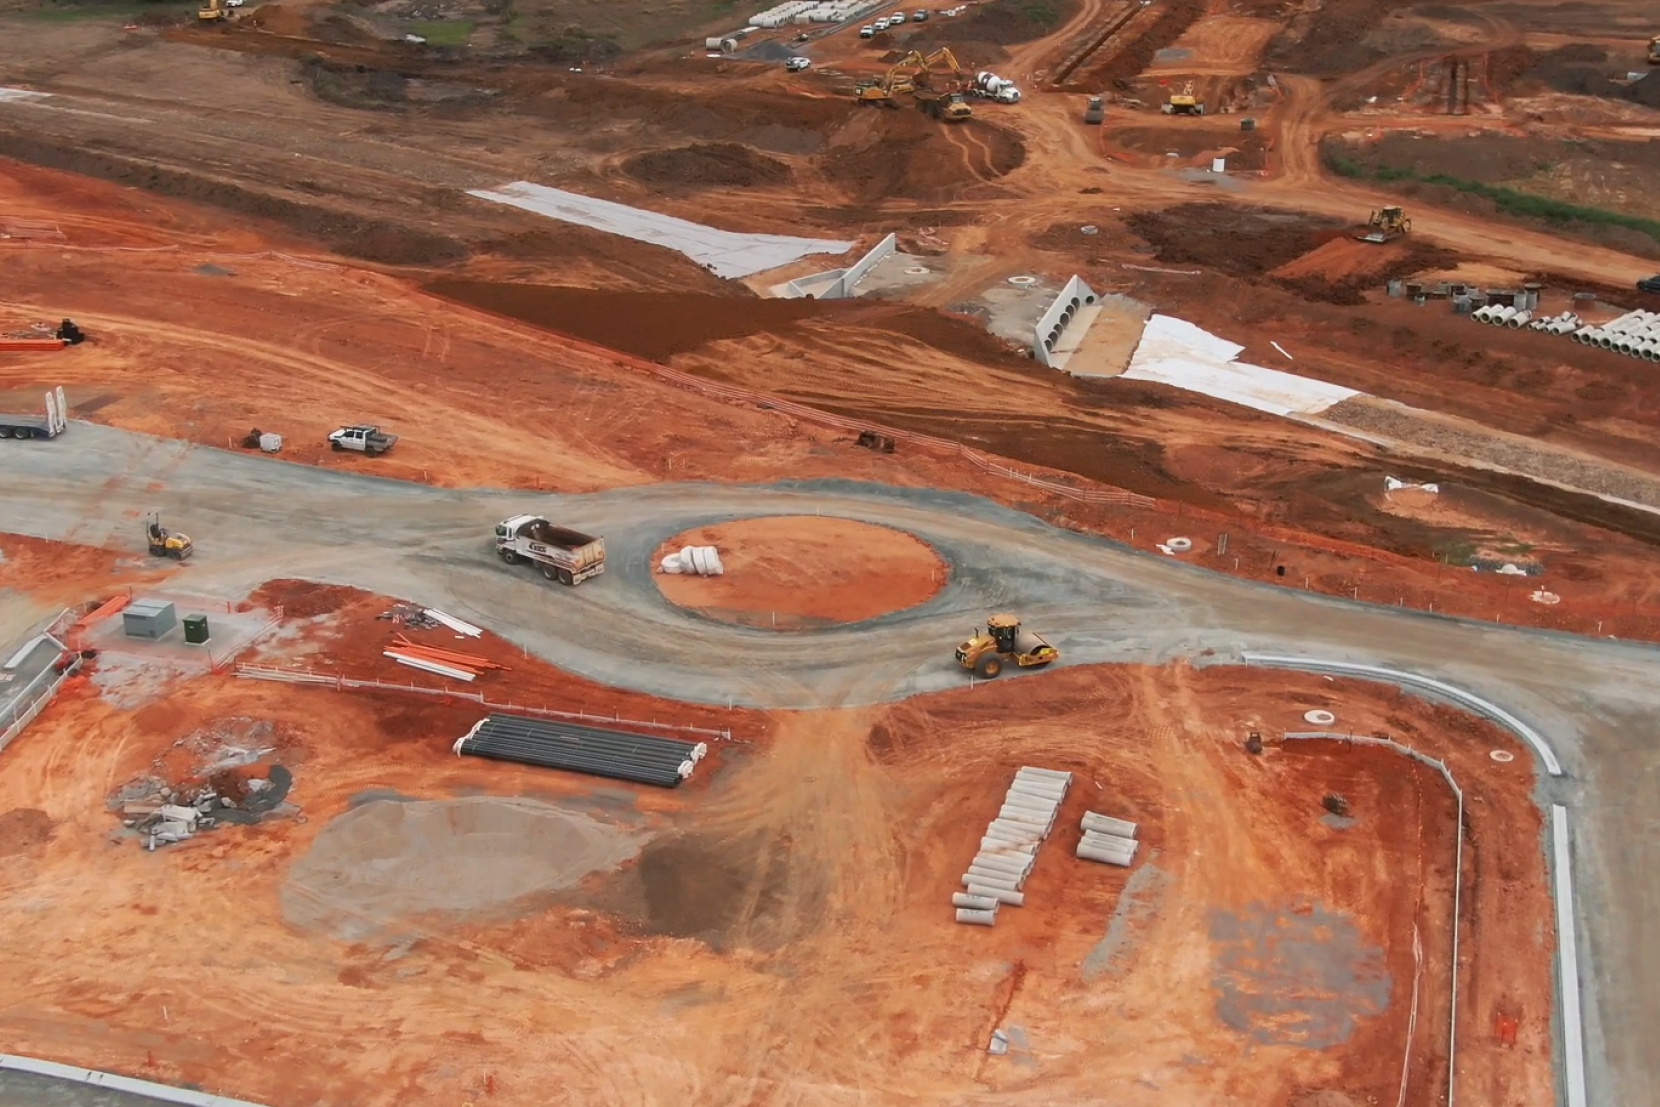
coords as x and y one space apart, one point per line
1241 242
722 164
1332 39
790 572
658 325
906 155
1113 67
978 36
379 866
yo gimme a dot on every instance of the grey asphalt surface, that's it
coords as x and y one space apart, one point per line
253 519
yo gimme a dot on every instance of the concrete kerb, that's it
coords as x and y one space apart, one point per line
1562 891
127 1084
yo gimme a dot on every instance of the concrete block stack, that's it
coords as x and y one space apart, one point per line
1107 840
1009 848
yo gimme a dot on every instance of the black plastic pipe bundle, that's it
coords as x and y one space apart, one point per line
620 755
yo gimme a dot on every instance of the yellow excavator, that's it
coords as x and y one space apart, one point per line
914 70
1386 225
166 543
213 11
1003 644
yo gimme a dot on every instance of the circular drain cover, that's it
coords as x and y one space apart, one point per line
1180 545
1319 718
918 270
1022 281
1502 756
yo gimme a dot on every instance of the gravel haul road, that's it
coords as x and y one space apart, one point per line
254 519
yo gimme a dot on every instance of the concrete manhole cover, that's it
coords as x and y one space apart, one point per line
1319 718
1180 545
1023 282
1502 756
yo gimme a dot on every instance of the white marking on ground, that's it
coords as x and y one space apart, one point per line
727 253
1175 352
18 95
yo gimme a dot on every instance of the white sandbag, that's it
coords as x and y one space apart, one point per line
715 567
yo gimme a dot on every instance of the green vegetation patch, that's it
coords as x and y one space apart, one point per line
449 32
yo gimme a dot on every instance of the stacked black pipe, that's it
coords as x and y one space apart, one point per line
641 758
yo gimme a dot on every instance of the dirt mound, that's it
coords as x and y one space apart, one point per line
376 868
906 155
1646 91
723 164
1241 242
683 321
989 26
784 125
1332 39
303 599
1341 271
1115 69
22 829
277 20
790 572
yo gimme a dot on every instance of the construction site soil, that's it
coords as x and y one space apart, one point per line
704 164
738 930
795 572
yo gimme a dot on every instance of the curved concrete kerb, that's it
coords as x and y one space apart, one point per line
1437 688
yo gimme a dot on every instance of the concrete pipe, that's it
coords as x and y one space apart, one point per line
1037 805
973 903
1097 840
976 918
1104 856
1022 815
1479 315
1019 867
1030 792
1015 832
1519 320
1032 786
1023 779
1107 825
1004 839
1607 338
998 848
1052 774
1011 899
1582 334
991 880
1502 315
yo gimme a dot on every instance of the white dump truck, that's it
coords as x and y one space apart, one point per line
565 555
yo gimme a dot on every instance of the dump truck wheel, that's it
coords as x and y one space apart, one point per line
565 577
509 556
550 572
988 666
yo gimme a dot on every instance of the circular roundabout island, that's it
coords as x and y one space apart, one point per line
795 572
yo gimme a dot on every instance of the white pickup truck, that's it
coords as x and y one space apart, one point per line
564 555
366 439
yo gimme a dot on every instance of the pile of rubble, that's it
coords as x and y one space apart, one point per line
411 615
162 815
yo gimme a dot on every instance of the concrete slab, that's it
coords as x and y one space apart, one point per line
897 273
1107 335
230 633
725 253
1012 311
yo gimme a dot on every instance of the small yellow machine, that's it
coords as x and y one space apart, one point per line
165 543
1386 226
1004 643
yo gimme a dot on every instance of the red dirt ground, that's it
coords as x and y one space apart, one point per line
791 572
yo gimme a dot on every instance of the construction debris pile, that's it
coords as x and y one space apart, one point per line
164 815
1107 840
431 659
620 755
1009 849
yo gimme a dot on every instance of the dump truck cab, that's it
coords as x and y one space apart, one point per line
1004 643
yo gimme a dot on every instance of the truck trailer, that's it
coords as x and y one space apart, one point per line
50 425
565 555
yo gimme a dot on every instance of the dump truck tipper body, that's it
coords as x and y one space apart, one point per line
565 555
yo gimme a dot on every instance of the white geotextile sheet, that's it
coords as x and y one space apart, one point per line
1175 352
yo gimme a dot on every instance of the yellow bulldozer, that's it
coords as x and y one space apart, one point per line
1386 225
1004 643
166 543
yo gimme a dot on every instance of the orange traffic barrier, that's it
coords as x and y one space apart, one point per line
109 607
32 343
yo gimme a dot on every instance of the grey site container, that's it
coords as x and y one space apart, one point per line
149 619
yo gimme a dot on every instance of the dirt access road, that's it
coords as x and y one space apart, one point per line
1097 602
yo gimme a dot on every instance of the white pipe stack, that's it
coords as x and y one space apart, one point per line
1107 840
1008 850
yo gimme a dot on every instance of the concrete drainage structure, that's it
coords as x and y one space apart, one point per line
1074 297
840 284
1634 334
1009 849
1107 840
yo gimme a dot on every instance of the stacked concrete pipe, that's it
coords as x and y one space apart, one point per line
1008 849
1107 840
